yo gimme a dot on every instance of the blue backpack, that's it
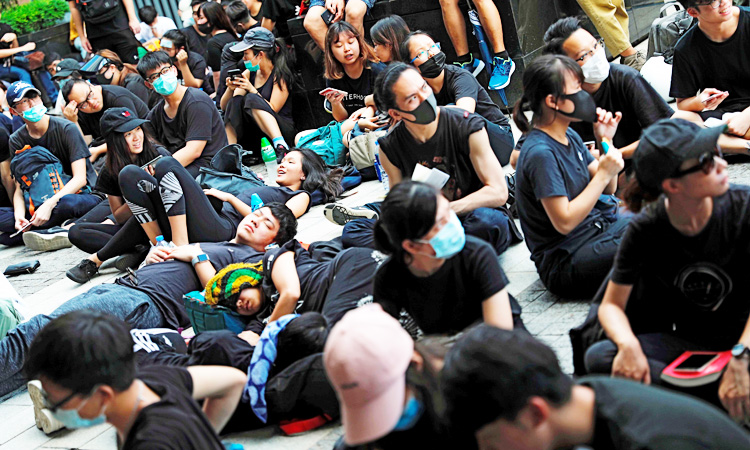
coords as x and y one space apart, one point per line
40 175
326 142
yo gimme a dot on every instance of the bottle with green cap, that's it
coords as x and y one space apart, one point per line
269 159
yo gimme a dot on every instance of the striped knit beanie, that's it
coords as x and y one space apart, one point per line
225 287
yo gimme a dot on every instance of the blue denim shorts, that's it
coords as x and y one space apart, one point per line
322 3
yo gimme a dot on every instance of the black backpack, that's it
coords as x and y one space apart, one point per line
98 11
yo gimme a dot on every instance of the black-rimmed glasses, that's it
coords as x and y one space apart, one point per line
706 163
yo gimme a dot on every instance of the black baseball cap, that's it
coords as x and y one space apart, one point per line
120 120
257 37
666 144
66 67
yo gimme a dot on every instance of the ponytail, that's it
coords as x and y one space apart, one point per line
519 118
283 63
635 196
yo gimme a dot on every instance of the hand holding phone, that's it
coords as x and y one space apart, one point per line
711 97
152 162
234 73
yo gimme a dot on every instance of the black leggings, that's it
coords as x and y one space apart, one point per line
172 191
89 233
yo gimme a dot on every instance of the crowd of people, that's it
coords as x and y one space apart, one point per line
403 327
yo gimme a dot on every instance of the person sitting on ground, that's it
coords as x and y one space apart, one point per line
151 297
258 103
64 140
186 121
387 34
321 16
213 21
450 140
453 19
505 389
350 66
194 217
115 72
196 40
445 280
86 102
87 375
153 26
129 142
14 64
558 181
711 58
614 87
64 70
240 17
192 67
386 383
681 260
453 86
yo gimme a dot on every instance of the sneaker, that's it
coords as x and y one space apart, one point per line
83 272
47 240
474 66
636 61
131 260
341 215
281 151
502 69
43 417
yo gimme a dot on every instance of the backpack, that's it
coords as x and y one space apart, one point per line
40 175
227 172
666 30
98 11
326 142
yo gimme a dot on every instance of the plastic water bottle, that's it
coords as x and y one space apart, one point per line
382 174
160 242
255 202
269 159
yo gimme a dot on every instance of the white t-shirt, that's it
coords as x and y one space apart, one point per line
163 24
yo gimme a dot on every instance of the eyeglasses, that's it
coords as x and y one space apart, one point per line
706 163
151 78
54 407
424 55
599 43
85 104
714 4
25 101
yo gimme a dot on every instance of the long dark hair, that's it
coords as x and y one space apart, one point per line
118 152
317 176
113 59
334 70
216 16
283 62
544 76
390 30
178 38
408 212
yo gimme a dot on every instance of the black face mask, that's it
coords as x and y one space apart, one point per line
102 79
205 28
585 108
425 113
433 67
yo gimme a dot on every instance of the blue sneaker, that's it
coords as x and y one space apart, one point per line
502 69
474 66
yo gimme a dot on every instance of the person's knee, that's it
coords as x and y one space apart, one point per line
313 21
132 178
448 3
355 11
598 358
165 165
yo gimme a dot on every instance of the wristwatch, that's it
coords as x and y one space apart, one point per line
200 258
739 350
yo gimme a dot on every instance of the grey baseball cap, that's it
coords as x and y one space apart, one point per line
257 37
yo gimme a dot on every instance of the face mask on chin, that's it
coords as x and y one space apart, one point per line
425 113
584 108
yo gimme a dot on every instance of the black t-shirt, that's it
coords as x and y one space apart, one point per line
176 421
97 30
135 84
629 415
266 193
684 277
107 182
5 28
196 43
197 66
459 83
197 119
700 63
4 145
113 97
63 139
166 282
215 46
547 168
357 89
625 90
448 300
447 150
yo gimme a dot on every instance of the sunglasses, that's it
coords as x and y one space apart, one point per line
706 163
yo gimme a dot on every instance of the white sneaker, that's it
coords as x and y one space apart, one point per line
47 240
43 417
341 215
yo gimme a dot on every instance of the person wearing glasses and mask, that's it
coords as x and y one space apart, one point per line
614 87
186 121
196 40
680 281
86 102
452 85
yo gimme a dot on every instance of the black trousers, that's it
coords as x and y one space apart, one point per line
122 42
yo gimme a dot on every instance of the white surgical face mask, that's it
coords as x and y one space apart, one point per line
596 68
